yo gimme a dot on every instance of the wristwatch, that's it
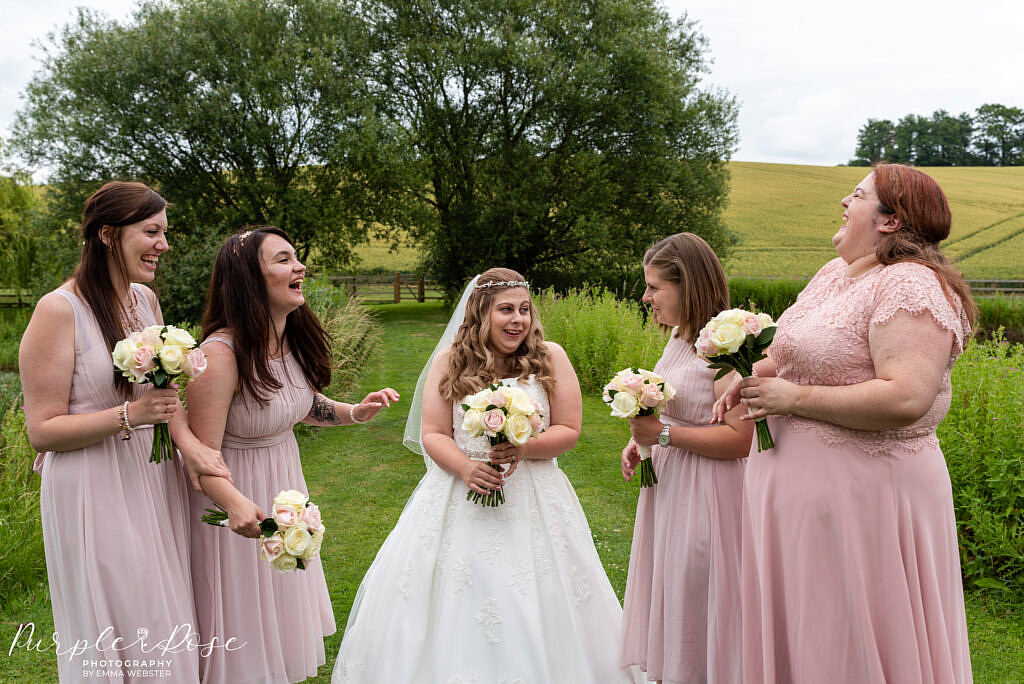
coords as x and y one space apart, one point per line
664 437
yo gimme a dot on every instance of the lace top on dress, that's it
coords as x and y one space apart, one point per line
823 340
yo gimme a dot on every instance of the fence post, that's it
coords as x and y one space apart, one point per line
420 294
398 287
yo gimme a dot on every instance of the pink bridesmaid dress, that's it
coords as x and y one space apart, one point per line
277 621
117 558
851 571
681 614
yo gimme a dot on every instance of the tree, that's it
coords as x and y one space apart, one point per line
18 244
238 111
549 136
999 139
875 142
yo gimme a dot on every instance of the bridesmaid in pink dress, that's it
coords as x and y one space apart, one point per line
681 615
116 562
851 571
268 357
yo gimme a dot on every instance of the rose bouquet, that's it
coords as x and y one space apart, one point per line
503 414
735 340
158 354
291 538
638 392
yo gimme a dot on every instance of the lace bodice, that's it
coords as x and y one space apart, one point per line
823 340
479 447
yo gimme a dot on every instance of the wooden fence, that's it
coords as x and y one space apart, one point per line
382 289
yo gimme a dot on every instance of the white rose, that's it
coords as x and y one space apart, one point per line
669 391
179 337
473 424
766 320
480 400
172 359
315 542
122 353
284 563
518 429
296 540
291 497
624 405
728 338
521 403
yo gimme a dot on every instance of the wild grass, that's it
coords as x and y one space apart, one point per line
12 326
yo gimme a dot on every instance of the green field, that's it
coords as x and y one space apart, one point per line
785 216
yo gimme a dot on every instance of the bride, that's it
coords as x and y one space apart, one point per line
513 593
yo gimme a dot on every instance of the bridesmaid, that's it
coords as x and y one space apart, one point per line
114 558
268 357
681 614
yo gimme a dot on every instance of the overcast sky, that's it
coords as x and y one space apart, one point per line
807 73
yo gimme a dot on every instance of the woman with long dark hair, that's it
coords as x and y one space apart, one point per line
116 560
268 359
851 571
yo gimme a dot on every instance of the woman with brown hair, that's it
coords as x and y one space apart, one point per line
681 615
268 360
851 571
116 560
460 592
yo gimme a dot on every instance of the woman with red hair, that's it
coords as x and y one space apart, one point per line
851 571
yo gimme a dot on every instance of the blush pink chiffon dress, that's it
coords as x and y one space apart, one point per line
114 533
681 613
851 571
278 621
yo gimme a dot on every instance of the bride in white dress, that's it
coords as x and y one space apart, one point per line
511 594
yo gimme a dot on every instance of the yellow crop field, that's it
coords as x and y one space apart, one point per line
785 216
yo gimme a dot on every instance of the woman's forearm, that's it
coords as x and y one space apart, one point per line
551 443
75 431
717 441
872 405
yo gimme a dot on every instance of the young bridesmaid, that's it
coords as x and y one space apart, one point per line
681 614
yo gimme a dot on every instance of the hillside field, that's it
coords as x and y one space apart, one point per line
785 215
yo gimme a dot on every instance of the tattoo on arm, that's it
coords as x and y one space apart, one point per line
323 410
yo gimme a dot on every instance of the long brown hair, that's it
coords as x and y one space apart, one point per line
472 364
921 206
115 205
688 261
237 301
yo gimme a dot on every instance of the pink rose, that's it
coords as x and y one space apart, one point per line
195 363
148 338
142 362
651 396
751 325
494 421
498 398
311 516
285 516
272 547
633 383
536 422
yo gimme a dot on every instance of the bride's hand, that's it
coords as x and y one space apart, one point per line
507 454
373 402
729 400
480 477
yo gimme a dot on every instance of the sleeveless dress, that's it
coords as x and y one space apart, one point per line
116 558
851 571
278 621
462 593
681 614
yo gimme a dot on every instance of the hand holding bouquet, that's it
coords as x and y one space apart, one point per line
291 538
638 392
159 354
735 340
503 414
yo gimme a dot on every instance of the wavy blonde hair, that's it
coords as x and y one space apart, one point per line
472 364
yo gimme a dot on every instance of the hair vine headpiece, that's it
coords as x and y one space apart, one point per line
503 283
241 241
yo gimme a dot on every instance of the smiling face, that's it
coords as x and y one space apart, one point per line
283 274
510 320
864 223
663 297
140 245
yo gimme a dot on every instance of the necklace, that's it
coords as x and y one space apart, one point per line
130 318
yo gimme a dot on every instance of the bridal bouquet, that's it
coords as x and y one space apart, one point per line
638 392
158 354
735 340
291 538
504 414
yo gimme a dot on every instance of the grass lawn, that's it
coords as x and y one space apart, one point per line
362 476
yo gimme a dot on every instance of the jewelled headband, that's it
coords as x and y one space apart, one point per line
241 241
503 283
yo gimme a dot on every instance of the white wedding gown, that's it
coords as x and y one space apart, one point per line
460 593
